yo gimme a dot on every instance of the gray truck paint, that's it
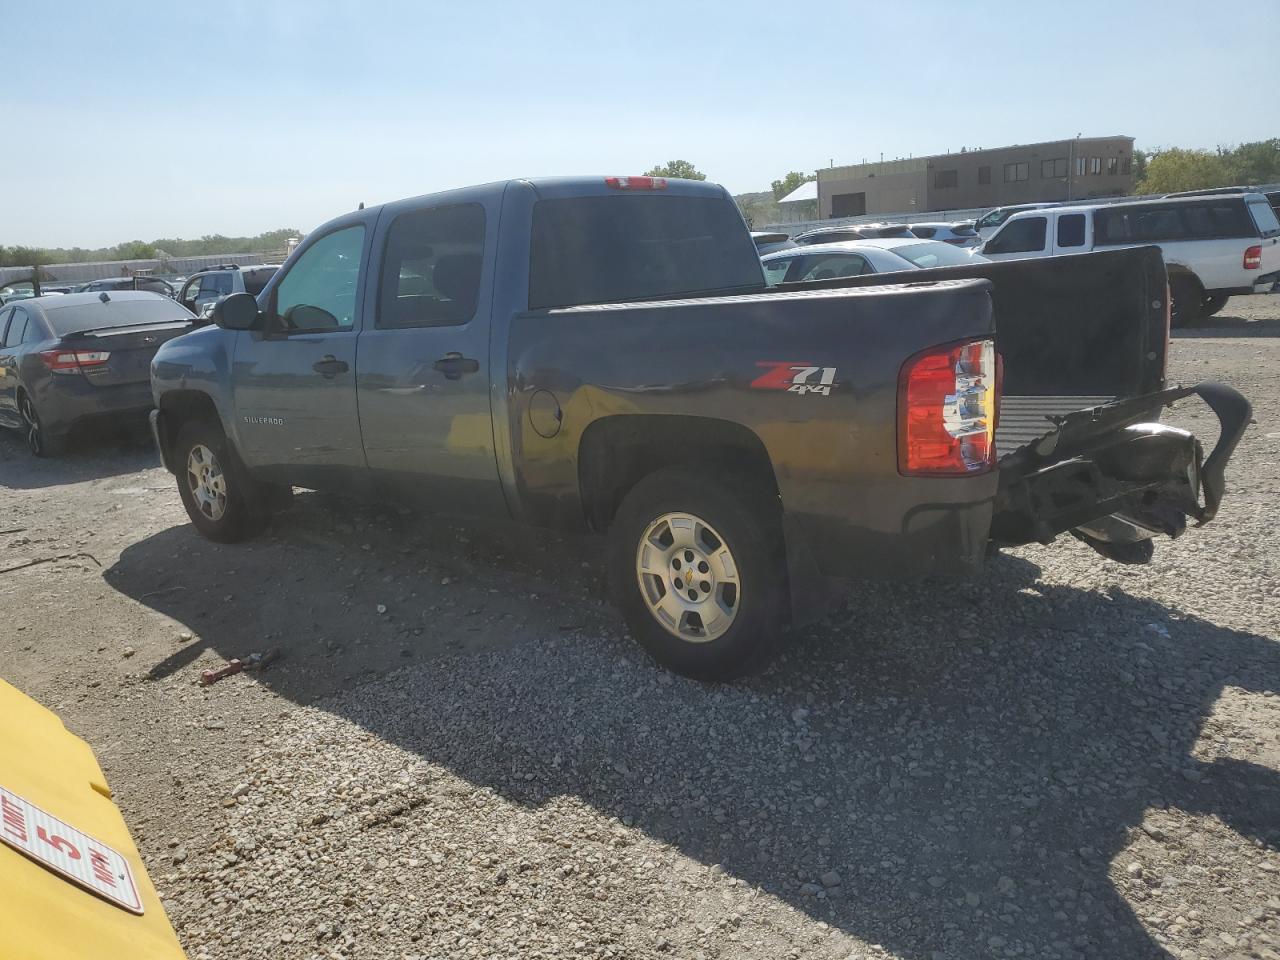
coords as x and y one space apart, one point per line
550 400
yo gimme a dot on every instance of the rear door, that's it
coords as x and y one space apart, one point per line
1071 232
423 375
294 381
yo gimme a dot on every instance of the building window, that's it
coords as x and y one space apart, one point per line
1113 164
1079 166
984 175
1095 165
946 178
1124 166
1015 172
1051 169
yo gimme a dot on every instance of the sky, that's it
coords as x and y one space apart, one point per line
152 120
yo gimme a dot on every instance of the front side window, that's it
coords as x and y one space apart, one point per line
1019 236
834 265
1071 230
215 284
16 319
431 267
318 294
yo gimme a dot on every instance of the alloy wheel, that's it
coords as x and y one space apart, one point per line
206 482
688 577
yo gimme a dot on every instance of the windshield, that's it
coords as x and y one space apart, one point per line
933 253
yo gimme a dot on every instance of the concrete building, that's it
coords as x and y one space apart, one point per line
1076 169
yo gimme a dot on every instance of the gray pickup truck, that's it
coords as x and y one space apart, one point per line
602 354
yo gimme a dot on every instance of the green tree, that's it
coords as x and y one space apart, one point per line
790 182
1178 169
1257 162
677 169
1140 158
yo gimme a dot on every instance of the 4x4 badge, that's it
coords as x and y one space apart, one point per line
795 377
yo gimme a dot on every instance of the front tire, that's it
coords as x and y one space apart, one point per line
698 571
214 486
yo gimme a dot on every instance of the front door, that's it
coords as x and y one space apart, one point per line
423 379
295 380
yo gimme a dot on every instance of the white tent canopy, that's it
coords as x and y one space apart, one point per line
806 191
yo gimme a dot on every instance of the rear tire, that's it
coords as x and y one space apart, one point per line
40 442
699 573
1185 299
214 486
1212 303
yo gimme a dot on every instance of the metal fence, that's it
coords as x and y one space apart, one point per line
101 270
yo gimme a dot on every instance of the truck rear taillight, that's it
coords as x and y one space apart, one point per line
73 361
636 183
947 407
1253 258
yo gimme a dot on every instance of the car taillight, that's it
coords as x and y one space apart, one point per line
947 408
73 361
636 183
1253 258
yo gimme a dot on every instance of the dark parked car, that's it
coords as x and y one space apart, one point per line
855 231
769 242
602 354
150 284
67 358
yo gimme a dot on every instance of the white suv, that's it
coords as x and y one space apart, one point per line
1214 247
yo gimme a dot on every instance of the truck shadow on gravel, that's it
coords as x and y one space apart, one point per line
937 767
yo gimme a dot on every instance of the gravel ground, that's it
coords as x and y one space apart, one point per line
460 754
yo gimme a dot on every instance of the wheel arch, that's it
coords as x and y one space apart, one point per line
616 452
178 408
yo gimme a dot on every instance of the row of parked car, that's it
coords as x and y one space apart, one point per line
1216 243
197 293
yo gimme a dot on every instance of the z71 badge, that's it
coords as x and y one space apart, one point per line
795 377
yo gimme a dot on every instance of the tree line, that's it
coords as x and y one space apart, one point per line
214 245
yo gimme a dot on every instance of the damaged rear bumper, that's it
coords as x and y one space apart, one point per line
1113 478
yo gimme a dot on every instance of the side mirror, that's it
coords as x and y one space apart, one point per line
239 311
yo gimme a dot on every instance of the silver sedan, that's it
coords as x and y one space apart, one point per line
852 258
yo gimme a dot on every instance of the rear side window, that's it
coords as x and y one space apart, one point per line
1265 218
620 248
17 328
925 233
963 231
114 313
1019 236
1071 230
1207 220
431 267
775 271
